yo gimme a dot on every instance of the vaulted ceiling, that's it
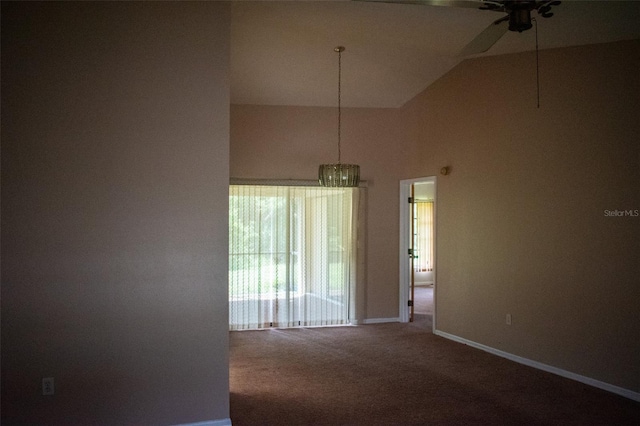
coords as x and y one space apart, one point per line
282 52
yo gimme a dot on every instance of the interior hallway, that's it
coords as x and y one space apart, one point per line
423 306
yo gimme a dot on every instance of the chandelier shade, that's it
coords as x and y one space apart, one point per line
339 175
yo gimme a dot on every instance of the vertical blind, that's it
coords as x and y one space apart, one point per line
423 244
291 255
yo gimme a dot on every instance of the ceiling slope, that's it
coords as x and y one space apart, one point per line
282 52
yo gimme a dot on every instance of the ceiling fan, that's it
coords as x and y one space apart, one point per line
518 17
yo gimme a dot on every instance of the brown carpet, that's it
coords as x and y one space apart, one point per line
400 374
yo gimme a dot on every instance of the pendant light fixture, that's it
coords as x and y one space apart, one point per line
339 175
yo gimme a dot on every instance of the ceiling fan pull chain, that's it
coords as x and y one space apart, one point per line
537 64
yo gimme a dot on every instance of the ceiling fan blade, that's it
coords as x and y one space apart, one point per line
487 38
473 4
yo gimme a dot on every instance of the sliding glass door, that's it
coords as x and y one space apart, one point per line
291 256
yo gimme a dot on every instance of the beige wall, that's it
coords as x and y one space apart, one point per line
114 212
521 222
521 226
274 142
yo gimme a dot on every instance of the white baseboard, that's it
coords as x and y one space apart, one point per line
220 422
544 367
380 320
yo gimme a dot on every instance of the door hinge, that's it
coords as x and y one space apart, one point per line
410 252
409 302
410 200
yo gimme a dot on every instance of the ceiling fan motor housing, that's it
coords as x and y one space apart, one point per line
520 17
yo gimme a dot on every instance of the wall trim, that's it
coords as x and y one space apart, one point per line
219 422
545 367
380 320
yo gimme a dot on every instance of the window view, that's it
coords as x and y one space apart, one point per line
291 256
423 236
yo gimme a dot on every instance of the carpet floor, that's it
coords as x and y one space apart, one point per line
400 374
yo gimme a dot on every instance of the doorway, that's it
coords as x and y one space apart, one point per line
417 249
292 256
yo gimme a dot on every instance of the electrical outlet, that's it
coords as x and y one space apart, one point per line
508 319
48 386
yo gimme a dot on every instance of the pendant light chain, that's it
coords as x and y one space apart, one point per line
339 101
339 175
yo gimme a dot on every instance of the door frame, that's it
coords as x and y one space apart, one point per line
405 236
